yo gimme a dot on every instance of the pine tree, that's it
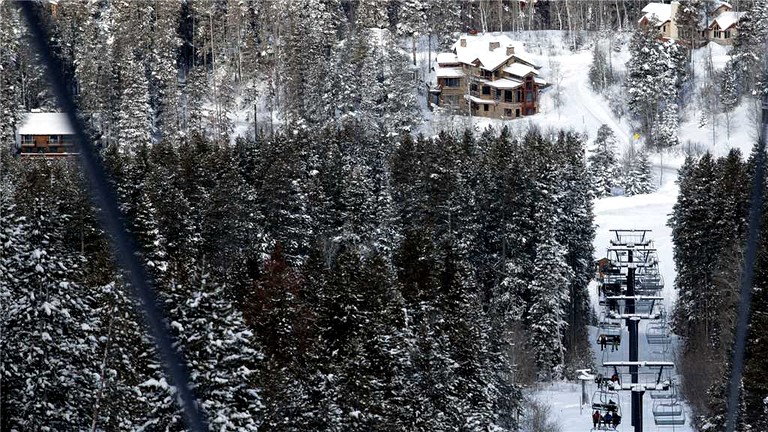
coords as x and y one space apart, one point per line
603 163
638 179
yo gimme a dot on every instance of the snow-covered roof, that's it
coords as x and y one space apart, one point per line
727 20
718 4
540 81
447 58
46 124
448 72
505 83
478 48
659 11
478 100
519 69
525 59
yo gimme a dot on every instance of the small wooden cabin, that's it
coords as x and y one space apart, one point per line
45 135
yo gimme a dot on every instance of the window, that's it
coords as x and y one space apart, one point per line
508 96
727 34
473 87
486 90
529 97
451 82
498 94
27 140
507 112
451 100
485 107
517 113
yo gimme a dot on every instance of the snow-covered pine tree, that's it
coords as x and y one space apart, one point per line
131 47
748 48
10 79
638 178
603 162
656 72
576 233
600 73
49 362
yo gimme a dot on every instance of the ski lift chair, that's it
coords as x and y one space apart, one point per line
657 334
604 400
668 413
670 393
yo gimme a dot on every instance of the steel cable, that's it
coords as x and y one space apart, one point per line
113 223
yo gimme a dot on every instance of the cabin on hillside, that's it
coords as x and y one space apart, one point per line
486 75
724 25
45 135
662 16
718 24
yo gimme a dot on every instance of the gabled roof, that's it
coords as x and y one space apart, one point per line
505 83
659 11
477 49
727 20
46 124
520 70
718 4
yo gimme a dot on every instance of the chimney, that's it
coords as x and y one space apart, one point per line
510 50
463 42
493 45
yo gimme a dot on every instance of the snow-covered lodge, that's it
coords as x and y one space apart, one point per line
719 24
45 134
489 74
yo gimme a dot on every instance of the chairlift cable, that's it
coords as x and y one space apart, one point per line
113 223
753 234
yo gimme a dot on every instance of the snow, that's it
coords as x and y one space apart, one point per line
659 11
726 20
46 124
478 48
448 72
447 58
519 69
505 83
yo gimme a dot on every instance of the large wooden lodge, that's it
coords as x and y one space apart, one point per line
45 135
489 74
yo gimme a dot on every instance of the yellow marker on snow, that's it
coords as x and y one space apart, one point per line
636 136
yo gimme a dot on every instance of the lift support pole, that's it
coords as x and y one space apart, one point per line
632 323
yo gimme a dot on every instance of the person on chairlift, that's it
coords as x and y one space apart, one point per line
608 419
615 343
616 420
595 419
603 342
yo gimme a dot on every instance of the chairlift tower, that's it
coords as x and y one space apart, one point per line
631 296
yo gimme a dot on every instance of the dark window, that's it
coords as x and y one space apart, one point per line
498 94
519 96
486 90
727 34
507 112
451 82
517 112
485 107
473 87
508 96
529 97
